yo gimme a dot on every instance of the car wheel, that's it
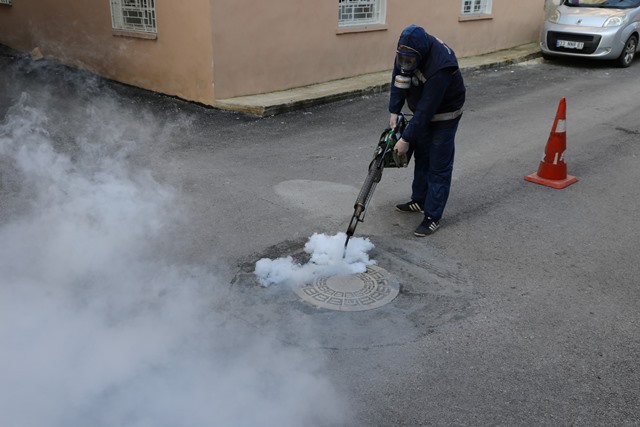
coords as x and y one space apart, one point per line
628 53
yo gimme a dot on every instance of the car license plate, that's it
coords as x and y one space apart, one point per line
569 44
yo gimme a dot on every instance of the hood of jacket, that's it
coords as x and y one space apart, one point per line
434 54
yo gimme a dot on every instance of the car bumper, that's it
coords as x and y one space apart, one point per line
600 43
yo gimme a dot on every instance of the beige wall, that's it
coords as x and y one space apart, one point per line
288 43
78 33
217 49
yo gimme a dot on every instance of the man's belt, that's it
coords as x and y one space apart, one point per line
447 116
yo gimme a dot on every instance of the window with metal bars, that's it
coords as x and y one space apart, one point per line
476 7
360 12
134 15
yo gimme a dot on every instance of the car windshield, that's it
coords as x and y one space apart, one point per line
614 4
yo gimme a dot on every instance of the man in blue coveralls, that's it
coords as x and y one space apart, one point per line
426 76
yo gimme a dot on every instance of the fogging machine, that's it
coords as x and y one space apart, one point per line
384 156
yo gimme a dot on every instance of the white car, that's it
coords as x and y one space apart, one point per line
599 29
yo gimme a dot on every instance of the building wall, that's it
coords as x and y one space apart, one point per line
79 34
217 49
297 42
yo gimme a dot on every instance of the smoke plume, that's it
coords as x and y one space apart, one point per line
97 327
327 258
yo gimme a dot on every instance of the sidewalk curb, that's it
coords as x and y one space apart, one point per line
274 103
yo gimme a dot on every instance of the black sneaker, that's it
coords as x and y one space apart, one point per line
426 227
410 207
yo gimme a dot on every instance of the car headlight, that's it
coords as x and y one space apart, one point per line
615 21
554 17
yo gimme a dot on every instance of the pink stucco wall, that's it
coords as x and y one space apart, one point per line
216 49
78 33
287 43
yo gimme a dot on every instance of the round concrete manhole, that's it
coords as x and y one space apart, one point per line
364 291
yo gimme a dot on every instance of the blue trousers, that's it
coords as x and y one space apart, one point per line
433 157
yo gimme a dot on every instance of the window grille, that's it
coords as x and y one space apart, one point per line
134 15
360 12
476 7
5 2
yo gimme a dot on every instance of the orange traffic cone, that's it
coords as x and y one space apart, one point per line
552 171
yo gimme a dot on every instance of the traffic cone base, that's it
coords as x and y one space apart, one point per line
553 183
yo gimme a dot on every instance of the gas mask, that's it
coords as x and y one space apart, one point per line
407 60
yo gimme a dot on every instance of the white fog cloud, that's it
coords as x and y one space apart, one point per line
96 327
327 258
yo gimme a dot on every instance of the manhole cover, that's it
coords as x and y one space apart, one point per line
364 291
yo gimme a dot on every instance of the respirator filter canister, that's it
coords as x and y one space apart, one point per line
402 82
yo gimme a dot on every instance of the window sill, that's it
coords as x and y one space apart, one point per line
466 18
362 28
135 34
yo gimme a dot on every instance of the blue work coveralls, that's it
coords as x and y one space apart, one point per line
430 133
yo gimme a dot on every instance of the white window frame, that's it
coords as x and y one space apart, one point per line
476 7
134 15
353 13
7 2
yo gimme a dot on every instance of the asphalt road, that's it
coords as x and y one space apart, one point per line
521 310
